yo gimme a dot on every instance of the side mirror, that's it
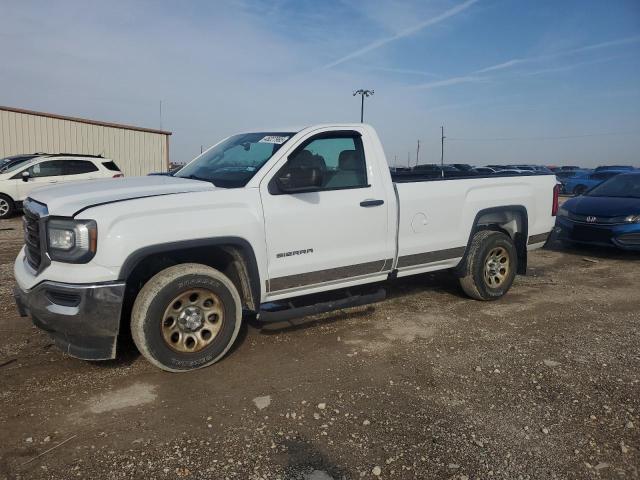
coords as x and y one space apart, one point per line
299 179
26 176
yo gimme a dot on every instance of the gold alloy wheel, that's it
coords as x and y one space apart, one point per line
496 267
192 320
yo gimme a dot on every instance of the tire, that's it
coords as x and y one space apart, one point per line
579 190
7 206
481 279
174 311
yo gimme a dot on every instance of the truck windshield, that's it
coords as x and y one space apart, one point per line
233 162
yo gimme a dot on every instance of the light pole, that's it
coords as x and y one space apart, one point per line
362 93
442 137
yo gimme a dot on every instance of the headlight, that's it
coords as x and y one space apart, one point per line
72 241
562 212
632 219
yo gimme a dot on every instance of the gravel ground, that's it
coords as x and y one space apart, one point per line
544 383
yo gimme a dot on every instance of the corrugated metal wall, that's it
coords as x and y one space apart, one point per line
136 152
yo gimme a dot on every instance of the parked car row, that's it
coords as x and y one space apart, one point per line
464 170
580 181
574 180
20 174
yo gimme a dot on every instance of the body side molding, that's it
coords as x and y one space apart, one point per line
430 257
328 275
538 238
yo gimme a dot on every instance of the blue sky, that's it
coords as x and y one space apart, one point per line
512 81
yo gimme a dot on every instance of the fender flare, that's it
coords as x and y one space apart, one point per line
135 257
520 241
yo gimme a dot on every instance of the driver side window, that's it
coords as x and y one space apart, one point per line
341 159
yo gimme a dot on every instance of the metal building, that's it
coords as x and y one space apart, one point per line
137 151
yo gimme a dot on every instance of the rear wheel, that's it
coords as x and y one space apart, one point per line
186 317
490 266
7 207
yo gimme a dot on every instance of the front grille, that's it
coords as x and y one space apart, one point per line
32 236
595 220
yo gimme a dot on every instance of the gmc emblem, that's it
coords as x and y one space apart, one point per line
591 219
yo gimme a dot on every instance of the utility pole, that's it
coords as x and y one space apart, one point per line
418 153
408 159
363 93
442 137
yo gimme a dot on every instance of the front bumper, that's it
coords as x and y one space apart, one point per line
83 320
623 236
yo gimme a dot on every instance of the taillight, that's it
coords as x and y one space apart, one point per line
556 194
118 175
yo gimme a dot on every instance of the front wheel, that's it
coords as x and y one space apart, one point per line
489 268
7 206
186 317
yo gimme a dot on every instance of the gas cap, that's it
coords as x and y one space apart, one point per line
419 222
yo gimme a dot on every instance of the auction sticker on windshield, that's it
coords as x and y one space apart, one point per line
274 139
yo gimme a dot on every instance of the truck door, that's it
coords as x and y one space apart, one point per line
335 235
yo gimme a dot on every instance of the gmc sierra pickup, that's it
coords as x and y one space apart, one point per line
274 224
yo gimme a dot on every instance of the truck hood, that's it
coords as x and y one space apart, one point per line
68 199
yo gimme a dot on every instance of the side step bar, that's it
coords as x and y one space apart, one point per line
284 312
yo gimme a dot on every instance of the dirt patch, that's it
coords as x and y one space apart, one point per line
542 384
133 396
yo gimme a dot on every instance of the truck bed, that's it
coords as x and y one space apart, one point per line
436 220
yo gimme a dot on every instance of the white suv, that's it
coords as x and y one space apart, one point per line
18 179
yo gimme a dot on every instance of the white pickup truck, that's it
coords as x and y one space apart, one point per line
276 224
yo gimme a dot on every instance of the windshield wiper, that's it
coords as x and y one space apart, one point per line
201 179
195 177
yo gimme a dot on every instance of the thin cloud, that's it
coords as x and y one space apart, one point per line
571 66
611 43
449 81
462 105
473 76
405 71
404 33
502 66
597 46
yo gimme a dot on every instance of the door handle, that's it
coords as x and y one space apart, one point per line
371 203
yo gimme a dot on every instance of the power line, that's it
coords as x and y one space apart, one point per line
559 137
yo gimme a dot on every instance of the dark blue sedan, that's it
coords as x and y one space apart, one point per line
606 215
